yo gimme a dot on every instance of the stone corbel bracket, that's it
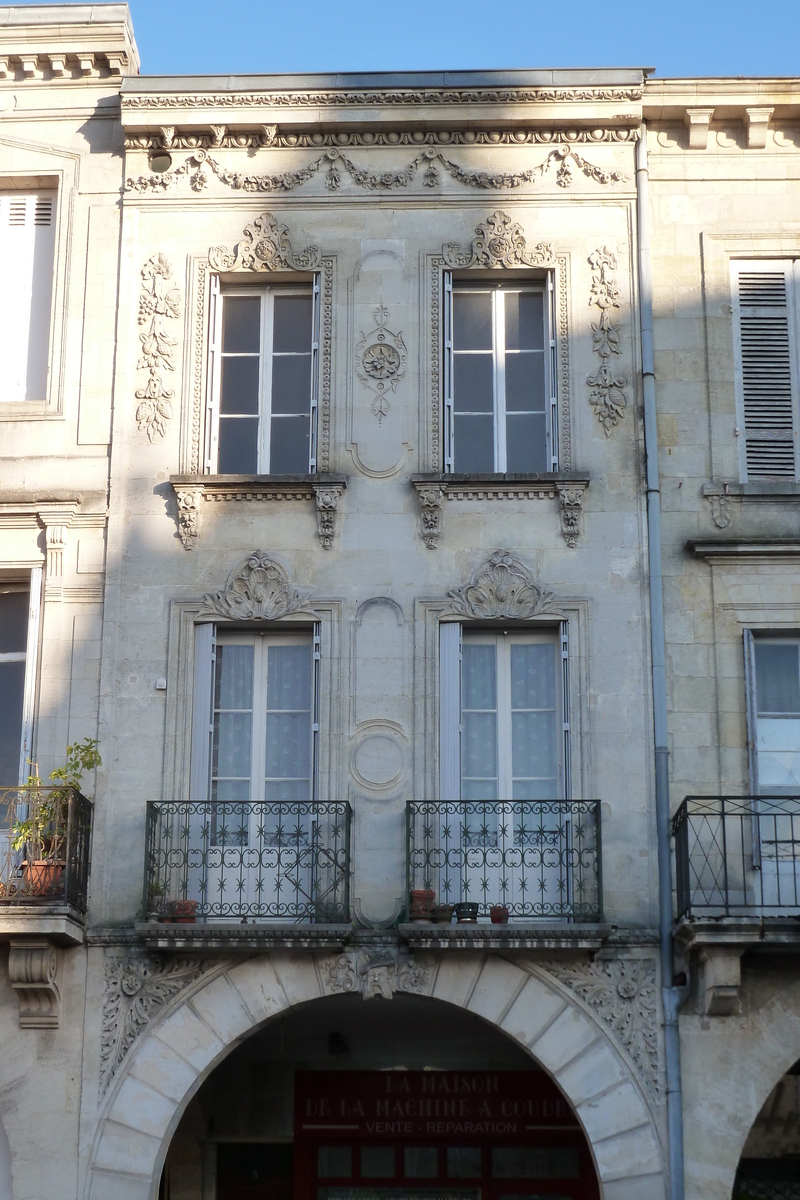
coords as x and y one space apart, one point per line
32 971
192 491
433 491
721 980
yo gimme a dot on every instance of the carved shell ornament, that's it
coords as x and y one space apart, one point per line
502 586
499 243
265 246
380 361
258 588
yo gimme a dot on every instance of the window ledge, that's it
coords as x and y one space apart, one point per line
506 937
59 924
191 491
566 487
244 938
758 489
739 548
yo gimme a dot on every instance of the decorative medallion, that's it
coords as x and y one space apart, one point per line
265 246
500 243
258 588
158 301
607 398
381 361
502 586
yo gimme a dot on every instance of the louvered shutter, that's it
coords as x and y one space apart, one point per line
202 711
447 367
27 240
766 367
213 374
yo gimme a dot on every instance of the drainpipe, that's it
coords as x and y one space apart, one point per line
672 997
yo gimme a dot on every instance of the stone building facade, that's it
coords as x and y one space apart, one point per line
327 512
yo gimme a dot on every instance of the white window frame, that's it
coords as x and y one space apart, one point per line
205 649
451 638
498 290
751 693
30 657
217 296
790 268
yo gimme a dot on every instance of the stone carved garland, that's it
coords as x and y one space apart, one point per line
607 398
200 166
622 993
158 301
376 974
136 990
257 589
501 586
380 361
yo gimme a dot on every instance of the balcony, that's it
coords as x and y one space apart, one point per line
737 866
253 872
530 869
45 846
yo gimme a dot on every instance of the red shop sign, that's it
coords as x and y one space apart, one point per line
426 1104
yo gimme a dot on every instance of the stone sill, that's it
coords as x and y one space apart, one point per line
420 936
759 489
739 548
565 487
243 938
491 480
256 487
745 933
62 925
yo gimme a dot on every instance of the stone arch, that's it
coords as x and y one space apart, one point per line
168 1064
745 1059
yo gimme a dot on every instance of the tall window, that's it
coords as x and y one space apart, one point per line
19 623
263 382
766 304
500 404
27 240
503 725
775 711
255 722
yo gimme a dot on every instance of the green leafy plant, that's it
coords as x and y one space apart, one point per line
43 832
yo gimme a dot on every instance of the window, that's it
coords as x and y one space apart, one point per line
263 381
255 723
774 702
765 307
504 729
500 399
19 630
27 241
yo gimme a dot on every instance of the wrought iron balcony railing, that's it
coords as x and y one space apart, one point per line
45 844
526 859
737 856
248 860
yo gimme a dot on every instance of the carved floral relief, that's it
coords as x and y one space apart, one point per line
501 586
258 588
607 397
158 302
380 361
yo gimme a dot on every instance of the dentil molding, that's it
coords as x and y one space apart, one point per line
433 492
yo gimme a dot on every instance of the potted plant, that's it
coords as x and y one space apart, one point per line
42 835
421 907
443 914
498 914
467 913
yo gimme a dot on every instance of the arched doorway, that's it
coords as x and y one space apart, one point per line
342 1100
769 1168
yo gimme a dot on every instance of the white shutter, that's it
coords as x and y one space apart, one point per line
202 701
315 714
450 710
212 379
751 708
31 660
315 335
447 367
551 368
565 709
765 346
27 240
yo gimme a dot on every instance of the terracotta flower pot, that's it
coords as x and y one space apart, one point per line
498 914
185 912
42 876
443 914
421 906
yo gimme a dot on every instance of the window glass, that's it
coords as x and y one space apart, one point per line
233 723
778 717
265 384
499 384
479 722
535 1162
463 1162
421 1162
533 721
377 1162
14 608
288 723
777 677
334 1162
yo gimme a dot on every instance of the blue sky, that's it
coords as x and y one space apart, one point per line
678 37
